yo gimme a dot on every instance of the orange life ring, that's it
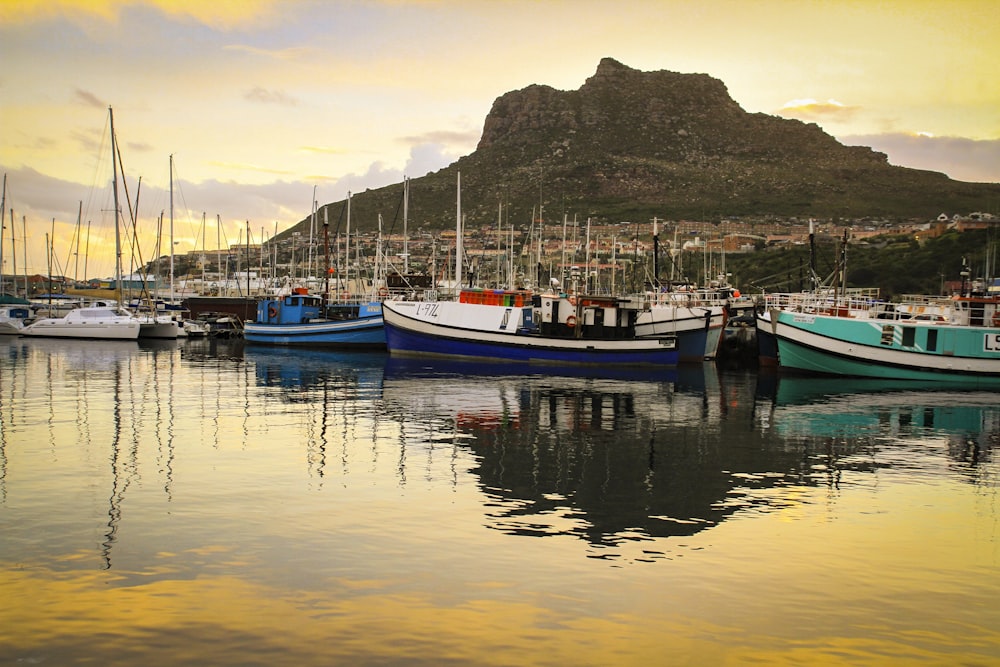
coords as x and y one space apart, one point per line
383 291
996 318
571 321
272 311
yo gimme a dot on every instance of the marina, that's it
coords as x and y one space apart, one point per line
211 501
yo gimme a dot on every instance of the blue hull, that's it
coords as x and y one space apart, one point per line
406 342
692 346
367 333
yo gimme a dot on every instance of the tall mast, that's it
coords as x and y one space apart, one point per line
203 251
3 216
171 228
406 208
79 221
13 255
347 251
218 252
458 236
24 244
114 182
312 228
326 255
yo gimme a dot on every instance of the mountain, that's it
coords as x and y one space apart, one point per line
630 145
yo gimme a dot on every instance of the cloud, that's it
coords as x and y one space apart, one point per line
468 138
426 158
810 110
216 15
89 99
259 94
290 53
972 160
323 150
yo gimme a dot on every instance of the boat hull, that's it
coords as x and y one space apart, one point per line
161 328
48 329
871 348
697 328
368 332
433 329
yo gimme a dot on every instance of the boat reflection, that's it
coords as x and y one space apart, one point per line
300 370
873 411
612 458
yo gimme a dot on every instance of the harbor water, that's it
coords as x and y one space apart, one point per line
206 502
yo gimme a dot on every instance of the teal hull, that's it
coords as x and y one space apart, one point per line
926 352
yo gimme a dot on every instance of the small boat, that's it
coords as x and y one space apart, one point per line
963 347
195 328
12 319
93 322
515 326
305 320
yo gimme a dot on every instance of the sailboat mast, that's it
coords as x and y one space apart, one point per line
76 264
312 231
218 253
114 183
203 250
3 216
171 228
458 236
326 255
347 250
406 207
24 244
13 255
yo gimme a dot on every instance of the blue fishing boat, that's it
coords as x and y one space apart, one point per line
959 342
301 319
512 326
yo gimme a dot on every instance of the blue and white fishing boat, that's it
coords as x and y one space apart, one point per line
303 319
514 326
964 345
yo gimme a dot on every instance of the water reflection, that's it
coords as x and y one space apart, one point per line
610 459
896 424
205 501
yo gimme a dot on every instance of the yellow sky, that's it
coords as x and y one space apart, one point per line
261 101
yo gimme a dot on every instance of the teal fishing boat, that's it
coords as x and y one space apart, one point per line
960 341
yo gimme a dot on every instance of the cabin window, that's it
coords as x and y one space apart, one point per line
932 340
887 330
909 337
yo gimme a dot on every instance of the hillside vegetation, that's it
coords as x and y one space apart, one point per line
894 264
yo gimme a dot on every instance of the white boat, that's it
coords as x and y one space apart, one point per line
505 326
12 319
195 328
97 322
695 320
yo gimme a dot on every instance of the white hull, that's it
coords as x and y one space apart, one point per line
90 323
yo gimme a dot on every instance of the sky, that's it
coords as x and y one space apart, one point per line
267 106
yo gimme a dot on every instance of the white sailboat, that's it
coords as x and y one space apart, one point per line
105 322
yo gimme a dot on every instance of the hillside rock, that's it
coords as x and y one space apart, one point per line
630 145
